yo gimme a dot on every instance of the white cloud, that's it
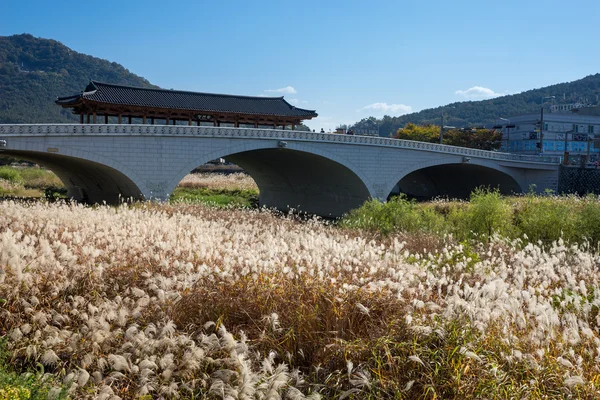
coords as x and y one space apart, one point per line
293 101
390 109
478 92
286 90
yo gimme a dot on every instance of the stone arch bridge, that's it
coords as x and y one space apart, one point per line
325 174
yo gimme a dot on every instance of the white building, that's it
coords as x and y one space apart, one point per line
522 135
554 108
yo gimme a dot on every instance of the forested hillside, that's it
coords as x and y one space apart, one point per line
486 112
34 71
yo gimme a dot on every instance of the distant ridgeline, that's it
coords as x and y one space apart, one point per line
486 112
34 71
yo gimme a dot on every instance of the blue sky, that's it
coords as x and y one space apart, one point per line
345 59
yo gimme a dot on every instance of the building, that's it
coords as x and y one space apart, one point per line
104 102
565 108
522 135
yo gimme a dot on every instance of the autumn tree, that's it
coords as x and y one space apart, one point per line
482 139
420 133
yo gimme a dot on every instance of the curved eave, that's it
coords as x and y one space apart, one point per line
68 101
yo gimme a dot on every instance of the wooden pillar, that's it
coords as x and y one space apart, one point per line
94 117
167 121
274 125
236 124
81 118
120 118
293 127
174 121
106 118
189 121
215 122
198 122
88 118
256 124
144 120
152 120
130 120
218 123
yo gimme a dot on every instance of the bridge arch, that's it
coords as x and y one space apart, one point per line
453 179
88 177
294 178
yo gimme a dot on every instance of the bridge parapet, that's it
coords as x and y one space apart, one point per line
228 132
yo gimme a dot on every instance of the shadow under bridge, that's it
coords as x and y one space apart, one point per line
455 181
86 181
292 179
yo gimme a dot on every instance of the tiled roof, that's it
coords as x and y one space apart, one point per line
181 100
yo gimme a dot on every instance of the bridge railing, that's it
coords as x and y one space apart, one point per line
208 131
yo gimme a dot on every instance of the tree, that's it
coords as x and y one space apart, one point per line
420 133
482 139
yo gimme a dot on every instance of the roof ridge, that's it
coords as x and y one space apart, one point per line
186 91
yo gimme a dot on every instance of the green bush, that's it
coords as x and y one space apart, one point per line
396 215
588 221
31 384
215 197
489 213
547 219
54 193
40 178
457 220
11 175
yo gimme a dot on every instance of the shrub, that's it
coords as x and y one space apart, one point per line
397 215
546 219
488 213
30 385
457 220
216 197
39 178
588 220
53 193
11 175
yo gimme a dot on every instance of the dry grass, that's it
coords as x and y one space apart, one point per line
133 301
217 181
305 317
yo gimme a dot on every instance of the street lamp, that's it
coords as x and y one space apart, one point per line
542 123
442 124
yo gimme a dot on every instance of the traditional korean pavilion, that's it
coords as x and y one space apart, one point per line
104 102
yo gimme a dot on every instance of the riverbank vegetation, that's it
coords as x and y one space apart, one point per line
537 219
217 189
148 300
497 297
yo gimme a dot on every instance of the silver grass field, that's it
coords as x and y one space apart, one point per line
188 301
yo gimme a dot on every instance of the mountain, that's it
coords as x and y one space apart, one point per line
34 71
486 112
